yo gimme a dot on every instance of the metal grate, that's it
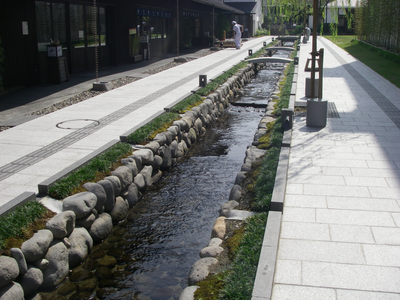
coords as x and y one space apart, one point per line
332 111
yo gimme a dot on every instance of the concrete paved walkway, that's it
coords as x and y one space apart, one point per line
36 150
340 231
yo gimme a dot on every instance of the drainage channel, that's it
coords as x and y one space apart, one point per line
149 255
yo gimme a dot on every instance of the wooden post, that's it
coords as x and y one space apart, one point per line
314 47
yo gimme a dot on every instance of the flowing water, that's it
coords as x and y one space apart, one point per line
156 246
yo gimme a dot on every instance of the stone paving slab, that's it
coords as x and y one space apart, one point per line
340 223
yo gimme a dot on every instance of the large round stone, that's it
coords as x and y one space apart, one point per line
200 269
62 224
100 193
110 196
36 247
101 228
81 244
133 195
125 176
9 270
31 281
116 184
20 259
12 291
58 268
81 204
188 293
120 210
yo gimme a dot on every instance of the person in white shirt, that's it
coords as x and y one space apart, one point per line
237 33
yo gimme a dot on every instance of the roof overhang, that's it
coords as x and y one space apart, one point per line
220 5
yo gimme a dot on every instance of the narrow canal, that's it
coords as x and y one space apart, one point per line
149 255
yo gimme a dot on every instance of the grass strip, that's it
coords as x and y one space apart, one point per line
385 63
18 224
149 130
100 164
239 281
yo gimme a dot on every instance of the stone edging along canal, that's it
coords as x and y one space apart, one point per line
44 261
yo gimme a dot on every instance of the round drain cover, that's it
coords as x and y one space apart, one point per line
77 124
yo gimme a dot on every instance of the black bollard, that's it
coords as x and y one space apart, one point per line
202 80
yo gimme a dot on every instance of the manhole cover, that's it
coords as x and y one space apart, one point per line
77 124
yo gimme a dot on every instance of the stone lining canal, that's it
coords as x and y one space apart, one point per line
149 255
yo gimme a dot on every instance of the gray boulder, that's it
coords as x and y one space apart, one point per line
36 247
161 139
120 210
153 146
19 257
157 162
174 148
211 251
215 242
240 177
101 227
165 153
131 164
100 193
110 196
81 243
133 195
12 291
87 221
62 224
140 182
58 268
81 204
146 172
200 270
171 133
9 270
227 207
116 184
124 175
31 281
146 156
192 135
188 293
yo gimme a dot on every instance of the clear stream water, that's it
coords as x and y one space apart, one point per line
156 247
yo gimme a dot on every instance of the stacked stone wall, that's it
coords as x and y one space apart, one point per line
44 261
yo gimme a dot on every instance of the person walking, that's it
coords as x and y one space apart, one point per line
237 33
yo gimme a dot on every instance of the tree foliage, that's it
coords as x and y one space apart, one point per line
378 22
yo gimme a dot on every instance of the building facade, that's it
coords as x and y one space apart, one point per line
113 30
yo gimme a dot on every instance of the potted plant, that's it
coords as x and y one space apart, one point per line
135 47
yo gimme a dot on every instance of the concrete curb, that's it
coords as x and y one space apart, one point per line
45 186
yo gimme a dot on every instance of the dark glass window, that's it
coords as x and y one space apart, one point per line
43 24
77 26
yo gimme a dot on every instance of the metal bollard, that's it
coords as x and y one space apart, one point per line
287 118
298 47
265 44
296 60
250 52
273 39
202 80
